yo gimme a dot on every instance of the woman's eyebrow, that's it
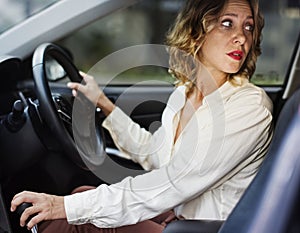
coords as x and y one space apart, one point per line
236 15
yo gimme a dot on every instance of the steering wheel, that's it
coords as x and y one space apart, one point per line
83 144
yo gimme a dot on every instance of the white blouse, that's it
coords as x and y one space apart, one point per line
201 176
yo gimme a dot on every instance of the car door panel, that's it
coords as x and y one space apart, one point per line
144 104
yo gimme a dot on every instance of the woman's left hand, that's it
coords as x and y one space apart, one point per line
44 207
92 91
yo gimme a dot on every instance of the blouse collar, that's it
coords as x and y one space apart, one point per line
223 93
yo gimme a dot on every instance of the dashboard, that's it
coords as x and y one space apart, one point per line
9 76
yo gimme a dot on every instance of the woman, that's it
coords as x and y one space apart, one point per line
215 132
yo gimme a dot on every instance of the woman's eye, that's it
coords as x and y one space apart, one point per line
226 23
249 28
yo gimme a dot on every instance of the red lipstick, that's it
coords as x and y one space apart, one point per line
236 55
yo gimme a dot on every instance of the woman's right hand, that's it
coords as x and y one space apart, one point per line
44 207
92 91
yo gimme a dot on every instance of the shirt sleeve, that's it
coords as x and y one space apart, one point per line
135 142
233 135
151 151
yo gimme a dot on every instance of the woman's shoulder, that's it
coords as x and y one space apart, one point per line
250 94
178 96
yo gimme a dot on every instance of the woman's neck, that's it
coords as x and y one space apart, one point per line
207 82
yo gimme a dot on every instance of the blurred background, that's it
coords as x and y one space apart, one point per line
147 23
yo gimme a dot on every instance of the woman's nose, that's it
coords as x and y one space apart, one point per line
239 37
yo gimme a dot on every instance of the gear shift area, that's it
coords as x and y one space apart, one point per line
20 209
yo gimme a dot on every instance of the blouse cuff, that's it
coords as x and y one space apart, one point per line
116 120
78 207
71 210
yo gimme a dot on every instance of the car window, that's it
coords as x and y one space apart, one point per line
143 23
19 10
280 34
147 23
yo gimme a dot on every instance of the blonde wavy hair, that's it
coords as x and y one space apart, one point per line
187 35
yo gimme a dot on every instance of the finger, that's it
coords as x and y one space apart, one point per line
35 220
13 205
28 212
82 73
18 195
74 92
73 85
75 88
20 198
86 77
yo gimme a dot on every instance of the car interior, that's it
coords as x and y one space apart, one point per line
39 151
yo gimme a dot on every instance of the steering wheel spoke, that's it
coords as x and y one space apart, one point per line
64 108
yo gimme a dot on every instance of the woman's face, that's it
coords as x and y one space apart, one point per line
227 45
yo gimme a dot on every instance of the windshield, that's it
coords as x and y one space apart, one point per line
19 10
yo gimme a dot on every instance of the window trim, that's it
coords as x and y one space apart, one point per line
22 39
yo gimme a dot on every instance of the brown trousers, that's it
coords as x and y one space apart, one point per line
155 225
